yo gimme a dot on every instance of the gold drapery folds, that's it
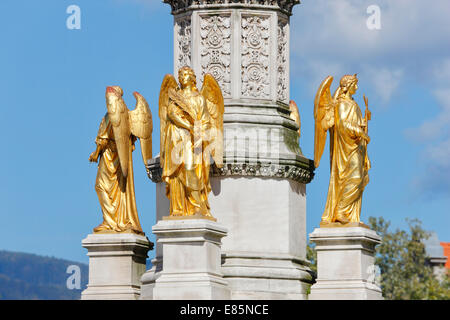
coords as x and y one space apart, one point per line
295 115
341 116
191 138
115 140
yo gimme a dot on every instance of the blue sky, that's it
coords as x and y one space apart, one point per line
53 81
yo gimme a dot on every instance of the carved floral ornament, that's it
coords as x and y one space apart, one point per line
215 34
282 62
255 57
267 170
181 5
184 42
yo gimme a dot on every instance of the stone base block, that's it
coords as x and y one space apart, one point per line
345 264
345 290
265 276
116 264
194 287
264 253
191 267
148 280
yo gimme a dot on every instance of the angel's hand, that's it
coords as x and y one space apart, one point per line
366 138
93 157
101 143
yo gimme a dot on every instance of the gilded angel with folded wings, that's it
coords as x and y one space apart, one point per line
118 132
191 140
341 116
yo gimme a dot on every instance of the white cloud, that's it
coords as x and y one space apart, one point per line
435 135
437 127
440 153
331 37
413 44
435 180
384 81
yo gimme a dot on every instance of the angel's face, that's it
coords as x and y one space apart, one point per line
186 78
353 88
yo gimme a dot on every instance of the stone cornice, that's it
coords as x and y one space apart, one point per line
300 172
179 6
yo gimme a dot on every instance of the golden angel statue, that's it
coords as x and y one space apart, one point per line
295 115
341 116
191 139
115 140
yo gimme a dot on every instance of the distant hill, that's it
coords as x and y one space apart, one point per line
26 276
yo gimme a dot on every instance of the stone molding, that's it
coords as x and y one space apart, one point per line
179 6
265 170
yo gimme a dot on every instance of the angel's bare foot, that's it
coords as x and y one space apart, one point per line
342 219
101 227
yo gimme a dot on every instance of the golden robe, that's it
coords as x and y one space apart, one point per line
185 169
115 193
349 164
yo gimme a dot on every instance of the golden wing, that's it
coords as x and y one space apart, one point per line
118 114
295 115
216 108
169 82
324 117
141 126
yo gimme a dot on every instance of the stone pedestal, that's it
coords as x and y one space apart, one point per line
345 264
192 261
116 264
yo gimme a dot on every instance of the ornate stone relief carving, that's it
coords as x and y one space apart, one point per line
282 62
268 170
184 42
255 57
215 49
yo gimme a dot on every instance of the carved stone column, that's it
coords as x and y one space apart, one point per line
260 193
245 46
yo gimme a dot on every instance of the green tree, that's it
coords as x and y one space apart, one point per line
405 271
311 256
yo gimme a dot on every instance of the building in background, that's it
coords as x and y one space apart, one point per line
446 246
436 253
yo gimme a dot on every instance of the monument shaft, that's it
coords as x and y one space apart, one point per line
259 194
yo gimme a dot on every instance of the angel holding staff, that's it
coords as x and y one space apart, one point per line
191 133
341 116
